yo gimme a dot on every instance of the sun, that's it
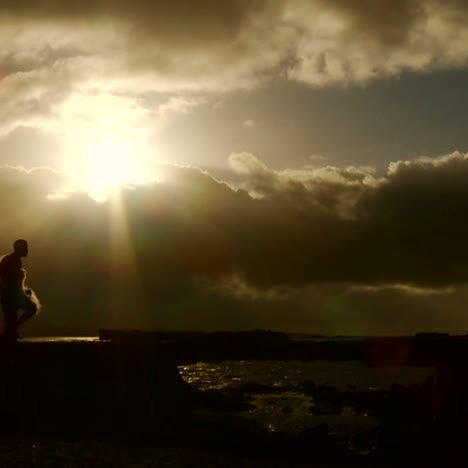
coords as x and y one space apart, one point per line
108 166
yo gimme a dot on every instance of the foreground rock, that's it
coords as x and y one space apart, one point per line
91 389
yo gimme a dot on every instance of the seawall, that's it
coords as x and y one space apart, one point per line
91 389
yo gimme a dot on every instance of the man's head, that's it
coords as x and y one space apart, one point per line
20 248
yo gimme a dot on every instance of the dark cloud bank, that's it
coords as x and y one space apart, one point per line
319 250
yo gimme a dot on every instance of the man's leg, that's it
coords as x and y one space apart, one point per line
29 308
28 312
10 312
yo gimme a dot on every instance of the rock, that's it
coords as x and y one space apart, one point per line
308 387
328 393
255 388
316 441
320 431
189 347
214 400
326 409
397 440
450 406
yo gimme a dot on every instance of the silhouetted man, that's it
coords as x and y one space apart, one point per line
13 293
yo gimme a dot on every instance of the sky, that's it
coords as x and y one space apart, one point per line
293 165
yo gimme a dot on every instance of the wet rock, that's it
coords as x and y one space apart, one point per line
398 440
316 442
328 393
326 409
255 388
308 387
320 431
214 400
225 430
372 402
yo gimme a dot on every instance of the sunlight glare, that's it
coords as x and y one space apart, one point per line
109 166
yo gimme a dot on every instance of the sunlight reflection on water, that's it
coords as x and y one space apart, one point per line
206 376
44 339
288 409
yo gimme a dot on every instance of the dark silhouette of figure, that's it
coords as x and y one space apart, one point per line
14 295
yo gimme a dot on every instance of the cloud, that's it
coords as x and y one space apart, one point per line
316 157
395 312
49 51
163 46
349 42
403 289
168 57
178 105
328 247
407 227
311 225
320 189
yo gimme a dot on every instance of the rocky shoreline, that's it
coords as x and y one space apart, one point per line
130 392
404 415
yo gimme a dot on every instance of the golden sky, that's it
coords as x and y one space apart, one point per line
286 164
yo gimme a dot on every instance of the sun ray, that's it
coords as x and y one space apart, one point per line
127 290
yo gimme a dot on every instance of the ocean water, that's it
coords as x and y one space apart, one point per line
340 374
287 409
